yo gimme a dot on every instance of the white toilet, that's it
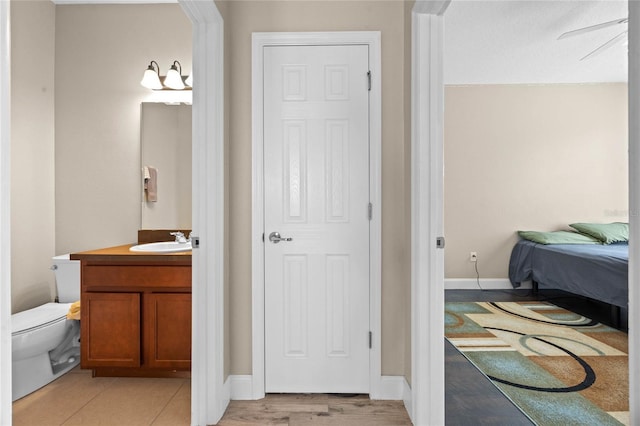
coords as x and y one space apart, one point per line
45 345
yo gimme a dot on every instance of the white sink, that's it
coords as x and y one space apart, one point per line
162 247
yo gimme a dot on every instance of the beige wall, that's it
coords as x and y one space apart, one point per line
529 158
101 54
246 17
32 153
97 134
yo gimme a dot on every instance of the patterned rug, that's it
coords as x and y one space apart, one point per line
558 367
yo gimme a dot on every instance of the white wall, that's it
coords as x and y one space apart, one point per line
535 157
32 153
101 54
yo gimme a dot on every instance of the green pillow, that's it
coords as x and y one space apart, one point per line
606 232
557 237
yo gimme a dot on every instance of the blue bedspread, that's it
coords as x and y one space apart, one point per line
596 271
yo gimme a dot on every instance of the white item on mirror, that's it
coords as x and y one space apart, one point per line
151 183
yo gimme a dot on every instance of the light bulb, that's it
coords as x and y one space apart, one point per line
173 80
151 79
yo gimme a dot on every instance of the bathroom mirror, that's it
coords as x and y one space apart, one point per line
165 166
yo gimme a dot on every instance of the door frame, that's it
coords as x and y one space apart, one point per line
428 19
5 213
209 395
426 401
259 41
633 90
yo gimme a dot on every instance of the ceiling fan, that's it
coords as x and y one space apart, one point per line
622 37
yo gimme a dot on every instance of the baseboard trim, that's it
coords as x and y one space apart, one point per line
390 388
407 398
241 387
485 284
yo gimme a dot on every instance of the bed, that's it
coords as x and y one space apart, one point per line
596 271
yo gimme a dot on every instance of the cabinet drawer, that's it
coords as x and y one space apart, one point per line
138 276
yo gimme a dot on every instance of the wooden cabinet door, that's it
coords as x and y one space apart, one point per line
168 330
110 330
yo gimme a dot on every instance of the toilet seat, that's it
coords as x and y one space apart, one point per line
38 317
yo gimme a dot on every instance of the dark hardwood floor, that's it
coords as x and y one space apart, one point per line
471 398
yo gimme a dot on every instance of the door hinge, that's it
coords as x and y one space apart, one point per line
263 237
440 242
370 340
369 80
195 242
370 211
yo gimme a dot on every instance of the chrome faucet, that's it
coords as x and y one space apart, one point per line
180 238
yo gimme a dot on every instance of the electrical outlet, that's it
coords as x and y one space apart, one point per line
473 256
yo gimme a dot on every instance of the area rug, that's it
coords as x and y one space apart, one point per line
558 367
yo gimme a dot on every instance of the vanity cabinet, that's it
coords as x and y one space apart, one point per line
135 315
110 335
168 330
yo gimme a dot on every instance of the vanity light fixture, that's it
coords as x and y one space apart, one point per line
174 80
151 77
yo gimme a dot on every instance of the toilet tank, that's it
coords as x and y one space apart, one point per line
67 278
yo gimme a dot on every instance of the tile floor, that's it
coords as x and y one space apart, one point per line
79 399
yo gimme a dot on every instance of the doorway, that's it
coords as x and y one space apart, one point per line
336 237
316 178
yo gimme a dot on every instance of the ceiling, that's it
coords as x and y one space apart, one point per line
516 42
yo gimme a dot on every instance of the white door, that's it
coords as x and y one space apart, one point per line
316 185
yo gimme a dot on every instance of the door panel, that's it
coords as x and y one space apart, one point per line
316 177
111 330
168 330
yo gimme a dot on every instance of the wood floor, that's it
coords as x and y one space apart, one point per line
316 409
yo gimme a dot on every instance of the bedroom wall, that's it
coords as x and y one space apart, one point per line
521 157
32 153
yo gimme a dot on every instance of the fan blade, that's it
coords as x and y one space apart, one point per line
593 28
607 45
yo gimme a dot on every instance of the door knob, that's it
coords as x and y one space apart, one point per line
275 238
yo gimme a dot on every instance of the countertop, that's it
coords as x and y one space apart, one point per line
121 254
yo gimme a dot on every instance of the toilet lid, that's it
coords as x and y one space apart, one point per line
39 316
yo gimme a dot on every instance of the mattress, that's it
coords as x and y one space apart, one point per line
592 270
